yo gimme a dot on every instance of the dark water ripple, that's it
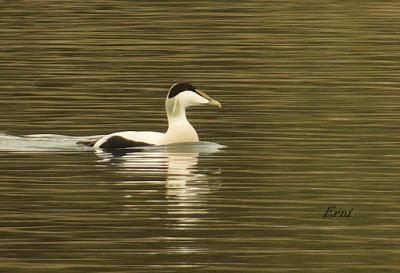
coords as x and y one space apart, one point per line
310 120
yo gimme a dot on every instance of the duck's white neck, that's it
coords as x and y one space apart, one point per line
179 128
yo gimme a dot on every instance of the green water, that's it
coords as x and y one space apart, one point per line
310 120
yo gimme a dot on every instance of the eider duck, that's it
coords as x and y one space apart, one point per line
179 97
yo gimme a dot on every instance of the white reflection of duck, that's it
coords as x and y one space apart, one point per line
179 97
186 184
178 162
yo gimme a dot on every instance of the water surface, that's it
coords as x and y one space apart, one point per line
310 120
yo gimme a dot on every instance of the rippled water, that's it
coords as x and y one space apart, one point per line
310 120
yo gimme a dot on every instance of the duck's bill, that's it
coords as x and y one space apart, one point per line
211 101
215 103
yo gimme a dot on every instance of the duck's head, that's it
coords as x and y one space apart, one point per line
183 95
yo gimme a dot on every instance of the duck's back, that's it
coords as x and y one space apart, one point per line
129 139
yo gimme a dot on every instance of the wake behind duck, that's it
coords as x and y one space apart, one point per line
180 131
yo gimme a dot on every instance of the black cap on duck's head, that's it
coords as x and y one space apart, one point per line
188 95
180 87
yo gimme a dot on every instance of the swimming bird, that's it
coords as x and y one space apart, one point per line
179 97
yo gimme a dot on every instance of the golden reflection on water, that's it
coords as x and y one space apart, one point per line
310 120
